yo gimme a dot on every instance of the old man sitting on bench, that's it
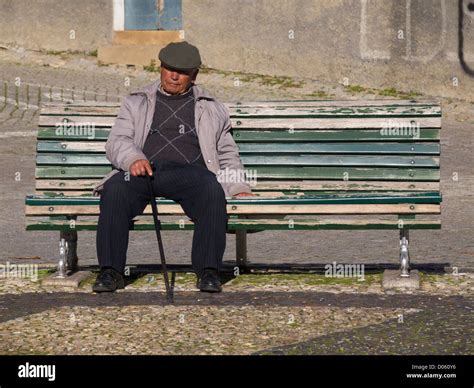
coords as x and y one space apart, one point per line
186 133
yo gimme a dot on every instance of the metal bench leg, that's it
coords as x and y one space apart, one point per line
241 247
404 254
62 265
71 257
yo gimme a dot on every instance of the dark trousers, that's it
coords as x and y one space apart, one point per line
194 187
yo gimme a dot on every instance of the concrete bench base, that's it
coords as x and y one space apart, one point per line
70 281
393 281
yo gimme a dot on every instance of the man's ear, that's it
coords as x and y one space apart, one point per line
195 74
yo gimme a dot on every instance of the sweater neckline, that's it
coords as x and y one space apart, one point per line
186 94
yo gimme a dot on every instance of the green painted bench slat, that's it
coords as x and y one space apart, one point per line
72 172
386 102
336 112
266 160
302 172
85 185
66 123
277 135
350 135
348 173
261 224
33 200
323 148
255 209
293 193
342 148
327 123
340 160
50 133
292 110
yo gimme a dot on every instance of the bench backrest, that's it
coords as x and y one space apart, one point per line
390 146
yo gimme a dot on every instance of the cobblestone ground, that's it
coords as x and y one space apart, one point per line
256 313
277 313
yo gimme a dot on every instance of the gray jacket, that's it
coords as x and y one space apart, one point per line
130 130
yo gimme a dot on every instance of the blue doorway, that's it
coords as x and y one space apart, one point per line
152 15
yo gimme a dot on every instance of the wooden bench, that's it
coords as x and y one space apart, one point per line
372 164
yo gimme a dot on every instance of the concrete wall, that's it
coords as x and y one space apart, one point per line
406 44
47 24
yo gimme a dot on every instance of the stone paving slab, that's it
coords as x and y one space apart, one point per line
151 329
238 323
257 313
439 327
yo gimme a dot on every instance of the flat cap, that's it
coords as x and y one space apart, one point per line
180 56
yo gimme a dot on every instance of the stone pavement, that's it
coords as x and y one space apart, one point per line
438 326
256 314
262 314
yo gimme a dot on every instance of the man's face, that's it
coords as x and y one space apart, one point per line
176 81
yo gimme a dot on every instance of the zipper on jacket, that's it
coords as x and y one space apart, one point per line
147 98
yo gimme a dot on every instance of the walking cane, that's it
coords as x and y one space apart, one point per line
157 222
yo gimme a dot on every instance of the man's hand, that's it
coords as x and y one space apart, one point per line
141 167
245 195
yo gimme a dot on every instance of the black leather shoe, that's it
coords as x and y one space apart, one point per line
209 281
108 280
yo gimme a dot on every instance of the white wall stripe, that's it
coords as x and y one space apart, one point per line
119 15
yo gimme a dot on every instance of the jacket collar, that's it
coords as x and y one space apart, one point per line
151 90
